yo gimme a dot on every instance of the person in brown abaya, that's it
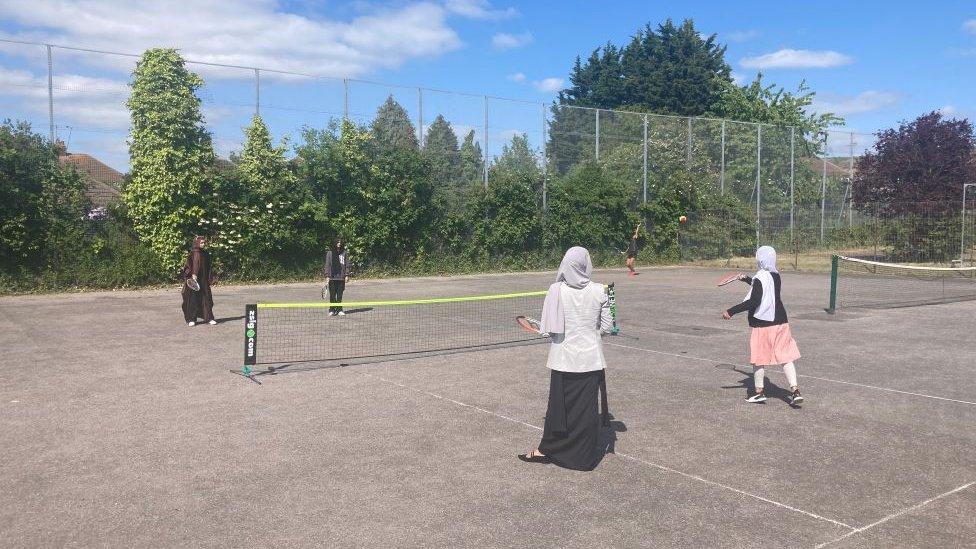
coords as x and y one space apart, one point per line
198 303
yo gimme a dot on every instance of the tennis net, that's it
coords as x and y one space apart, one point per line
872 284
284 333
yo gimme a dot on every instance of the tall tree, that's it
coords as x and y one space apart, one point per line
272 197
441 151
920 165
670 70
472 161
393 129
170 152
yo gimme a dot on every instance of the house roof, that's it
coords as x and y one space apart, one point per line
836 166
102 181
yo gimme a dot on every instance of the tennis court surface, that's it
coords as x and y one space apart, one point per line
123 427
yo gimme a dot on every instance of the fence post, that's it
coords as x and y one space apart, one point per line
50 92
823 189
962 237
758 180
345 99
850 185
721 173
545 164
485 163
257 92
644 168
420 115
792 199
688 147
597 135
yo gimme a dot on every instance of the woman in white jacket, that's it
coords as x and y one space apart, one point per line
575 314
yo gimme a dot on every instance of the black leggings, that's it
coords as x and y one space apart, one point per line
336 287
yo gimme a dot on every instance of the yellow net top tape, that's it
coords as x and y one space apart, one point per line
353 304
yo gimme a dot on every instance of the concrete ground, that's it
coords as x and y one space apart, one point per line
124 427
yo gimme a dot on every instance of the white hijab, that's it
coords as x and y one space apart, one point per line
766 261
574 271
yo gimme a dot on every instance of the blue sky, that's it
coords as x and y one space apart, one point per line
875 63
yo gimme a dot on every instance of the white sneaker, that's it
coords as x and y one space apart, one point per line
212 323
758 397
191 323
342 313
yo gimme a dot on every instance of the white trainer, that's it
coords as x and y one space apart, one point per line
342 313
756 398
212 323
191 323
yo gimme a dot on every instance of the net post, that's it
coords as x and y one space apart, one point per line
612 300
834 260
250 338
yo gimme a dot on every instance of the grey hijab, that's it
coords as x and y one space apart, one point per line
766 259
574 271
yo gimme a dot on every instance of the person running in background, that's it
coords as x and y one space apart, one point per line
771 342
198 303
337 272
575 314
632 252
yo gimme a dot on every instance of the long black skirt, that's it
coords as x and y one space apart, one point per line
571 436
198 304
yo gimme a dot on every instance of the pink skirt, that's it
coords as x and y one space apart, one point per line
772 345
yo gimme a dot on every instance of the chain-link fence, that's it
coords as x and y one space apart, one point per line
783 187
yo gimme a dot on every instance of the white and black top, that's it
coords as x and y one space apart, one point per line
754 303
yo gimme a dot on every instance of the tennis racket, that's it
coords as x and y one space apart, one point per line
193 284
730 278
530 325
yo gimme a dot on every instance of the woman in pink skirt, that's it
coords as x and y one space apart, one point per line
771 342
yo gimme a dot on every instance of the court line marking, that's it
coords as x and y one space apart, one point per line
896 515
875 387
626 456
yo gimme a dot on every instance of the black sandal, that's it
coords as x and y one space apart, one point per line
531 458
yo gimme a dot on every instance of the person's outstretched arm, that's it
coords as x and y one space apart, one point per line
751 304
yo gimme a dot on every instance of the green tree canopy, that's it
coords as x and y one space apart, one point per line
757 102
670 70
170 153
393 129
472 161
442 153
42 204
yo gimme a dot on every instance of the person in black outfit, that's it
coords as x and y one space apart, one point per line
337 272
198 303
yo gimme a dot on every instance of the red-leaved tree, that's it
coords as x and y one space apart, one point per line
918 167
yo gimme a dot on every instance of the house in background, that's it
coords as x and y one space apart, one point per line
103 183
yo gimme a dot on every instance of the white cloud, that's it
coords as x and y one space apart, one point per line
478 9
549 85
740 79
94 104
949 110
845 105
506 41
797 59
242 32
970 26
517 77
741 36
